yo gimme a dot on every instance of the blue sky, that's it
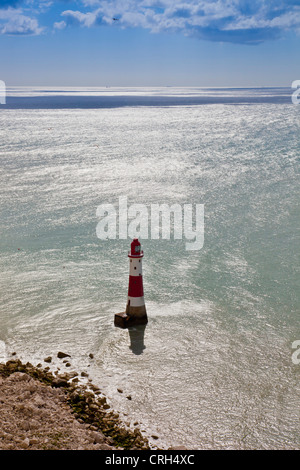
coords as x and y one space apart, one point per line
150 42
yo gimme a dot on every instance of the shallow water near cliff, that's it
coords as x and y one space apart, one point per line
213 368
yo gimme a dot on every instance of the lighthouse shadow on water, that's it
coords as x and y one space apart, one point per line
136 335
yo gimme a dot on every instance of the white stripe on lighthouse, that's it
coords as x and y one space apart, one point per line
136 301
135 267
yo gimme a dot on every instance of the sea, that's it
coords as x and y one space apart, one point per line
217 366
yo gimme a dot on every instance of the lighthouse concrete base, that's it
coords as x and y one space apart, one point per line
122 320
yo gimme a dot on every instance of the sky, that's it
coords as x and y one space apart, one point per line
150 42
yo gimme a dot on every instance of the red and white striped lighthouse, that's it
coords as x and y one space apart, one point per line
135 313
135 302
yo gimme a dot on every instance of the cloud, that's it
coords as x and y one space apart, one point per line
237 21
19 24
13 21
84 19
60 25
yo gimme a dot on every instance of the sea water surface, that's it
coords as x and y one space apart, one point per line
213 369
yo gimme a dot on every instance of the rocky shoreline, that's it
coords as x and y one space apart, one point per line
41 410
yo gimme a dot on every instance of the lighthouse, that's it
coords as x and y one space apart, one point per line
135 313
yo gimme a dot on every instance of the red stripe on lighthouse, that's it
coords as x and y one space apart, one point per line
135 288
